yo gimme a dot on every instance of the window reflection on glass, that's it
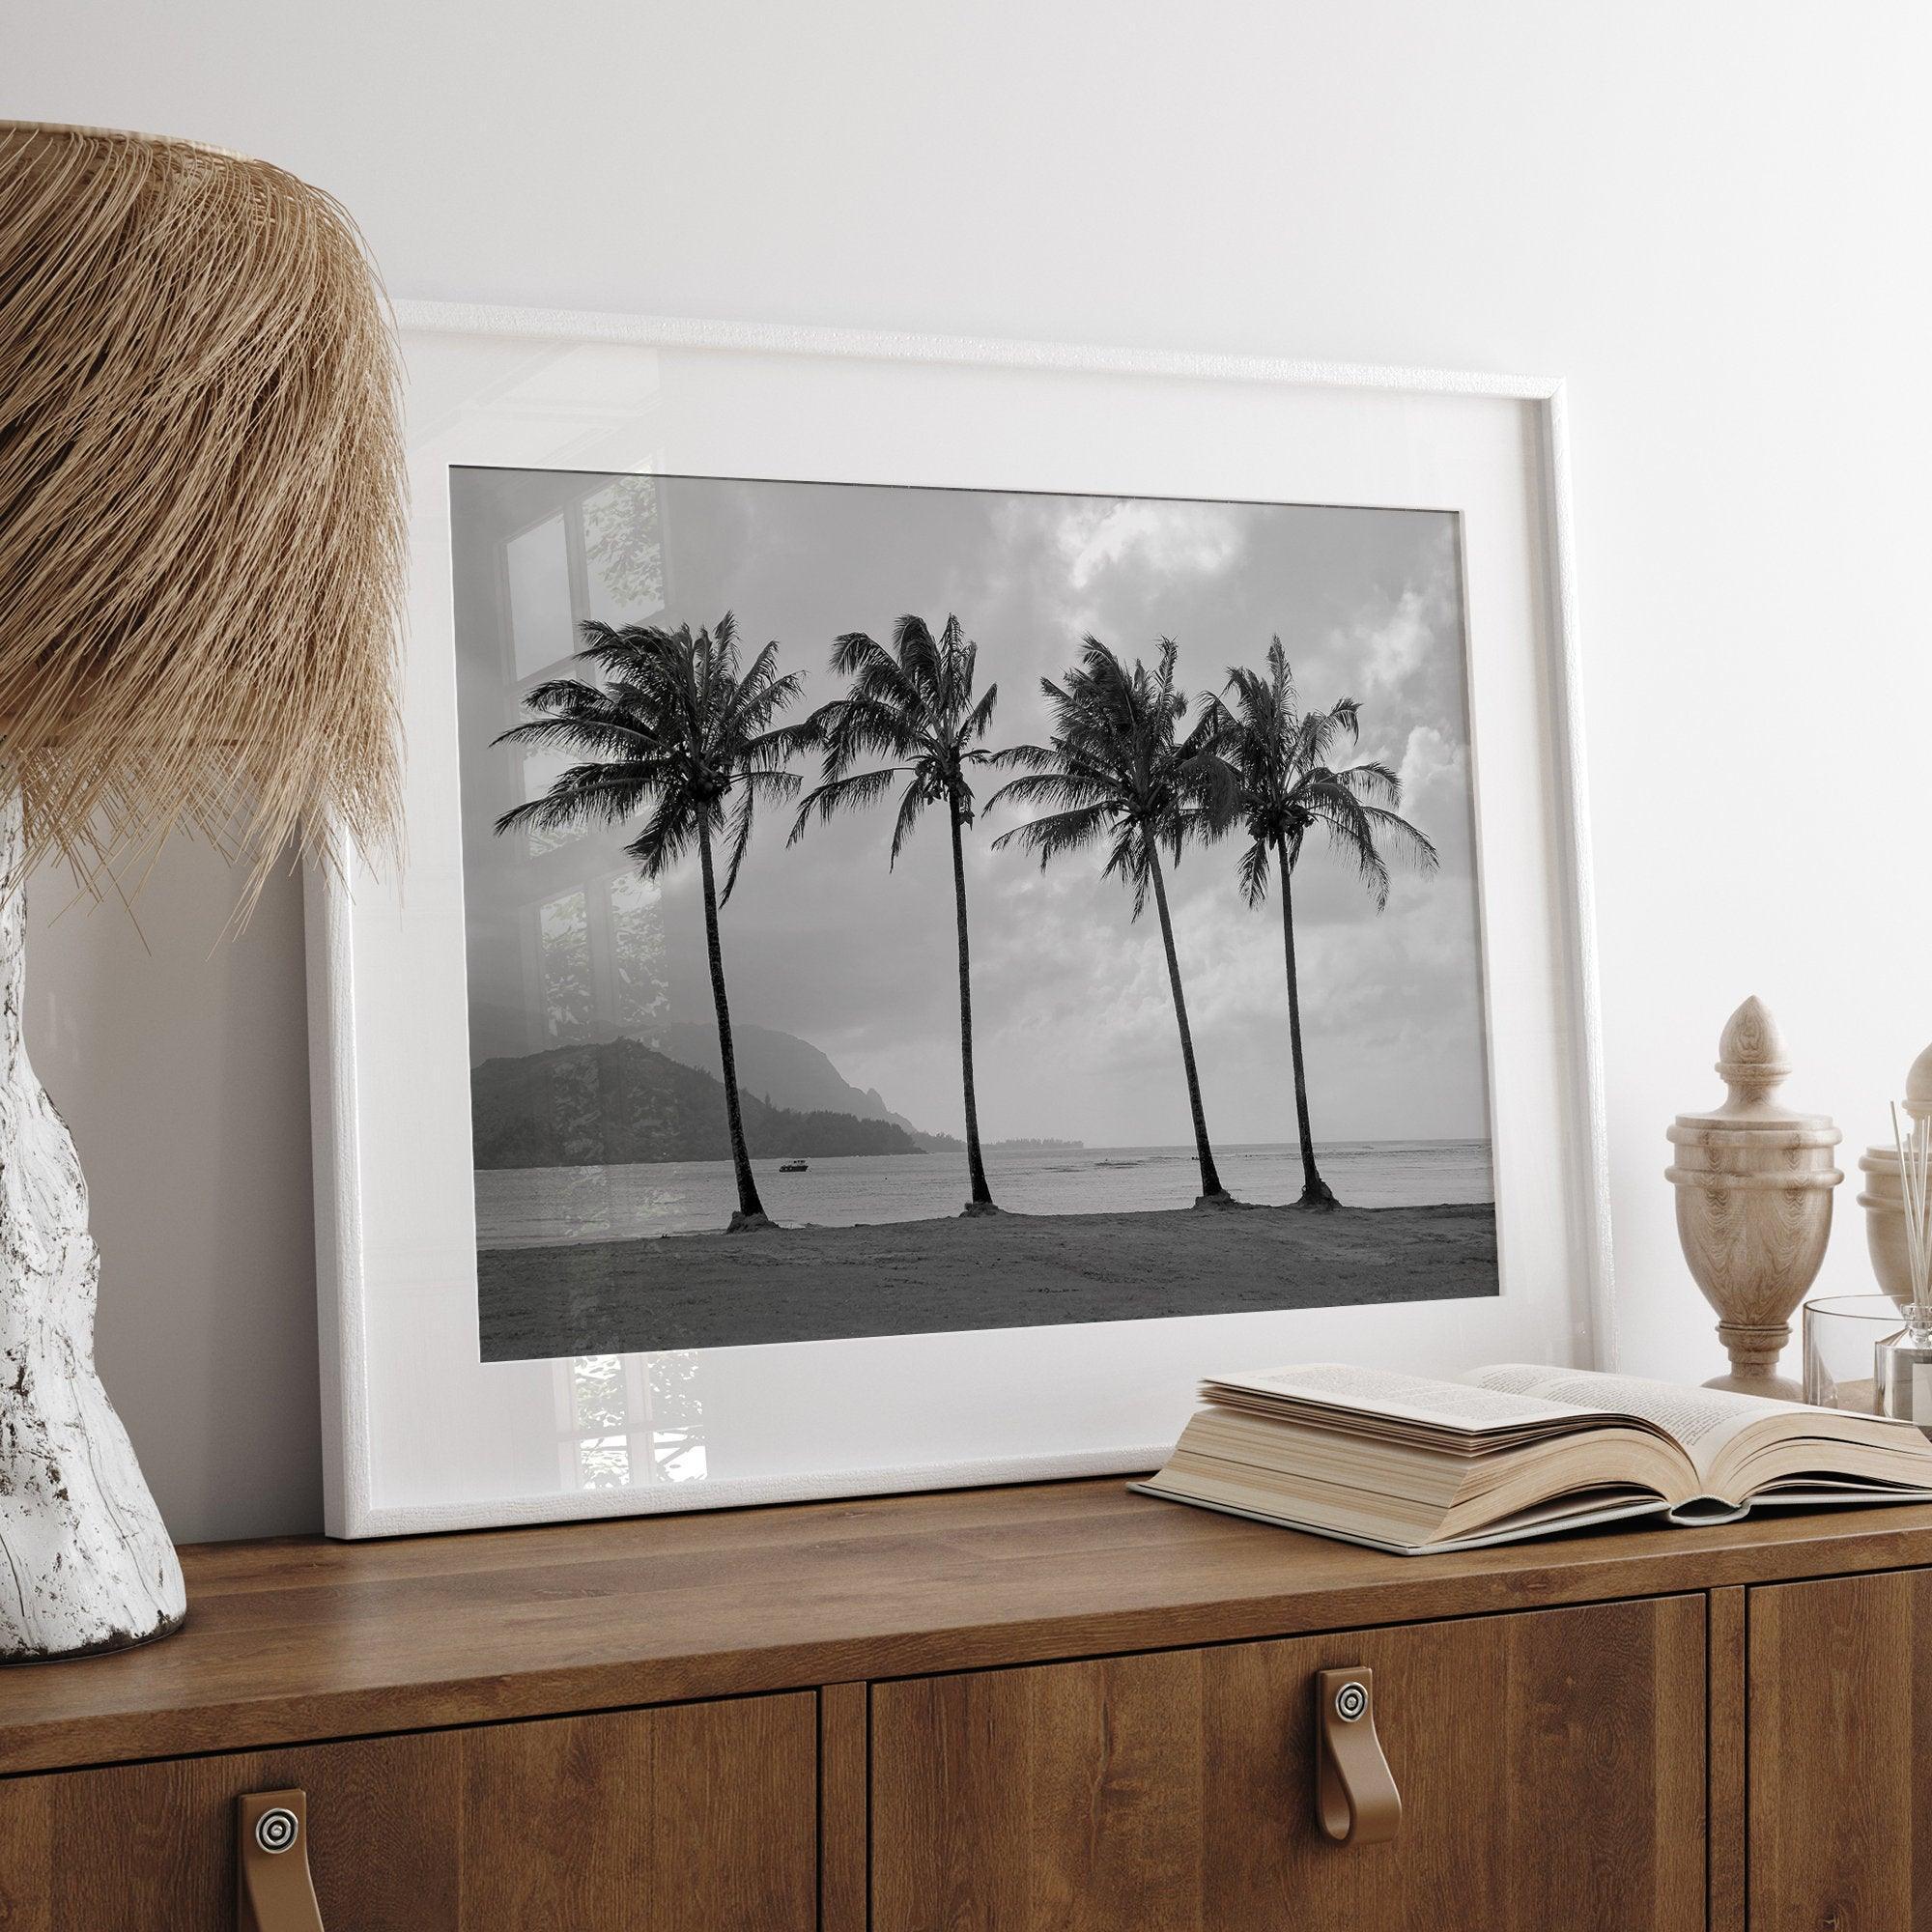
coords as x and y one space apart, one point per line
676 1417
601 1411
634 1419
623 559
639 984
541 770
542 620
570 996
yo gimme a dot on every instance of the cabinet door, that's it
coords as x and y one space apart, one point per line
693 1818
1841 1734
1550 1766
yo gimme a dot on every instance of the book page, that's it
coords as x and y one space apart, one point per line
1701 1420
1462 1405
1580 1513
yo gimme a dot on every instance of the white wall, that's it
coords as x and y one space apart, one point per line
1711 217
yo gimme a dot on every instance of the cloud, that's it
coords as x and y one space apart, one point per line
1436 793
1395 649
1166 539
1392 642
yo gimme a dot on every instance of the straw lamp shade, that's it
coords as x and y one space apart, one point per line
201 532
201 553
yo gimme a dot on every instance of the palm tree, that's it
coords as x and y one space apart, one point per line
671 731
1280 756
914 705
1118 769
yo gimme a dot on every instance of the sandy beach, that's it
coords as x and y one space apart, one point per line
809 1284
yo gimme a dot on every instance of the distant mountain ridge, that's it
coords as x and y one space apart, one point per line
622 1102
791 1072
785 1070
777 1067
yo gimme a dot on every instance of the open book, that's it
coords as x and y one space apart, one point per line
1411 1464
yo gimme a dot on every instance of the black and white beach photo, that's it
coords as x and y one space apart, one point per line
895 910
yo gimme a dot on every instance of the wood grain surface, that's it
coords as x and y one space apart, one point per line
1551 1764
1841 1733
845 1804
1727 1785
697 1818
294 1642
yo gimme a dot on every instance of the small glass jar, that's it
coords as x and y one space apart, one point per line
1843 1335
1903 1370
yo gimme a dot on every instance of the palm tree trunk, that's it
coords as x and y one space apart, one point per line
751 1209
1315 1191
1210 1179
976 1167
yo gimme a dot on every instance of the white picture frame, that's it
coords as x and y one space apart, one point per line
419 1434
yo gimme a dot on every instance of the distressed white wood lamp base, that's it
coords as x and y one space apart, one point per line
85 1562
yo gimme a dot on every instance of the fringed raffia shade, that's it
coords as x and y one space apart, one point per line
201 504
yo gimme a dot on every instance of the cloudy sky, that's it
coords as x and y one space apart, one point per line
1076 1030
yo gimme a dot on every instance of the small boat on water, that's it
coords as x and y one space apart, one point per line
792 1166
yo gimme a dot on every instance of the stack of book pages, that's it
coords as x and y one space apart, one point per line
1416 1465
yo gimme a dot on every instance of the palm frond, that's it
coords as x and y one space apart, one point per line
751 709
916 798
979 719
668 832
1370 780
771 750
584 794
1064 791
634 654
1412 844
771 783
836 794
858 725
1028 758
569 697
1058 832
919 657
594 736
873 671
1253 873
1130 861
738 834
1351 834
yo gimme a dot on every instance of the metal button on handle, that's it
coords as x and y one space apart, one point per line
278 1828
1357 1802
273 1890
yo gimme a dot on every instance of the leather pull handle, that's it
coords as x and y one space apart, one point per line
1355 1799
273 1890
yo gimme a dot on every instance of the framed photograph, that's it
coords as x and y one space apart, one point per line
953 888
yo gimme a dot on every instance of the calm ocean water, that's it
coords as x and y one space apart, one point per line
536 1206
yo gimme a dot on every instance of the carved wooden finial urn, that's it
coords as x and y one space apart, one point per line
1883 1199
1753 1183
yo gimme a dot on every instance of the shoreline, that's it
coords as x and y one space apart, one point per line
806 1282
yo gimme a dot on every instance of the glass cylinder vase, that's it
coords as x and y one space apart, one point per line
1843 1335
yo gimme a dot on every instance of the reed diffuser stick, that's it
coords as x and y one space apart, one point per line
1913 1136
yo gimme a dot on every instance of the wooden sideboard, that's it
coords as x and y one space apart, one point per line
999 1711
